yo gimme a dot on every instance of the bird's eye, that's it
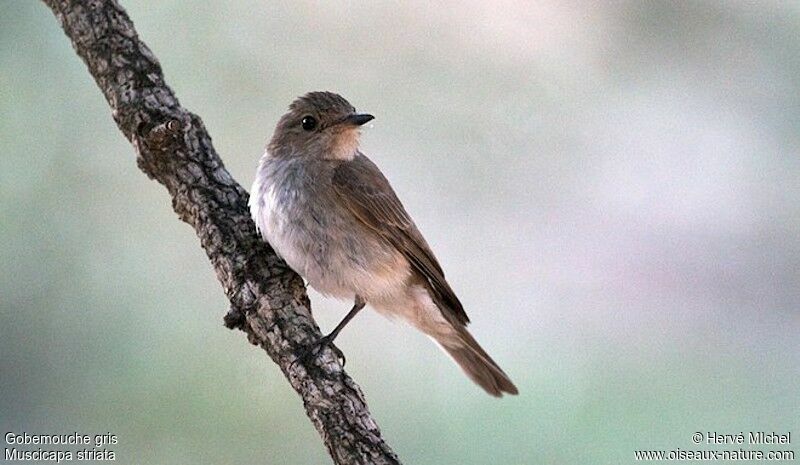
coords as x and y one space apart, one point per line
309 123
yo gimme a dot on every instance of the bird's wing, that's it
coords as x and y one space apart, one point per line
368 195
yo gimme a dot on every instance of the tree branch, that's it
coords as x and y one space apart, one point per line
268 300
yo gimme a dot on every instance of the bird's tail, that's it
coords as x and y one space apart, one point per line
476 363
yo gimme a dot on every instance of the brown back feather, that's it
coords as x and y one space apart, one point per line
367 194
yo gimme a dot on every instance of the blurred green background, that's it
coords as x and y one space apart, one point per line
613 191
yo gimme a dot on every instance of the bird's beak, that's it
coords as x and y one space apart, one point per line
358 119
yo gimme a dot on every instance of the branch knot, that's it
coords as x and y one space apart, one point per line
160 136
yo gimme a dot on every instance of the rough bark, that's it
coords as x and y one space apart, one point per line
267 300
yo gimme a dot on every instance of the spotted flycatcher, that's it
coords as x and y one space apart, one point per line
327 210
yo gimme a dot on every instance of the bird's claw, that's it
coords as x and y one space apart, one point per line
307 353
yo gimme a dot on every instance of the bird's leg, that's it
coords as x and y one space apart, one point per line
357 306
312 349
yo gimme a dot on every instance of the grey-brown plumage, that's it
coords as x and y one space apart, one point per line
331 214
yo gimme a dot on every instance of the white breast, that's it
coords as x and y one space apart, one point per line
273 222
338 258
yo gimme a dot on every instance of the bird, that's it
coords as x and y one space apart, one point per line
332 216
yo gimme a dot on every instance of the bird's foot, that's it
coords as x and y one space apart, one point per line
307 353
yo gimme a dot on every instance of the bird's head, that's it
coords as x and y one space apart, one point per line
318 124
